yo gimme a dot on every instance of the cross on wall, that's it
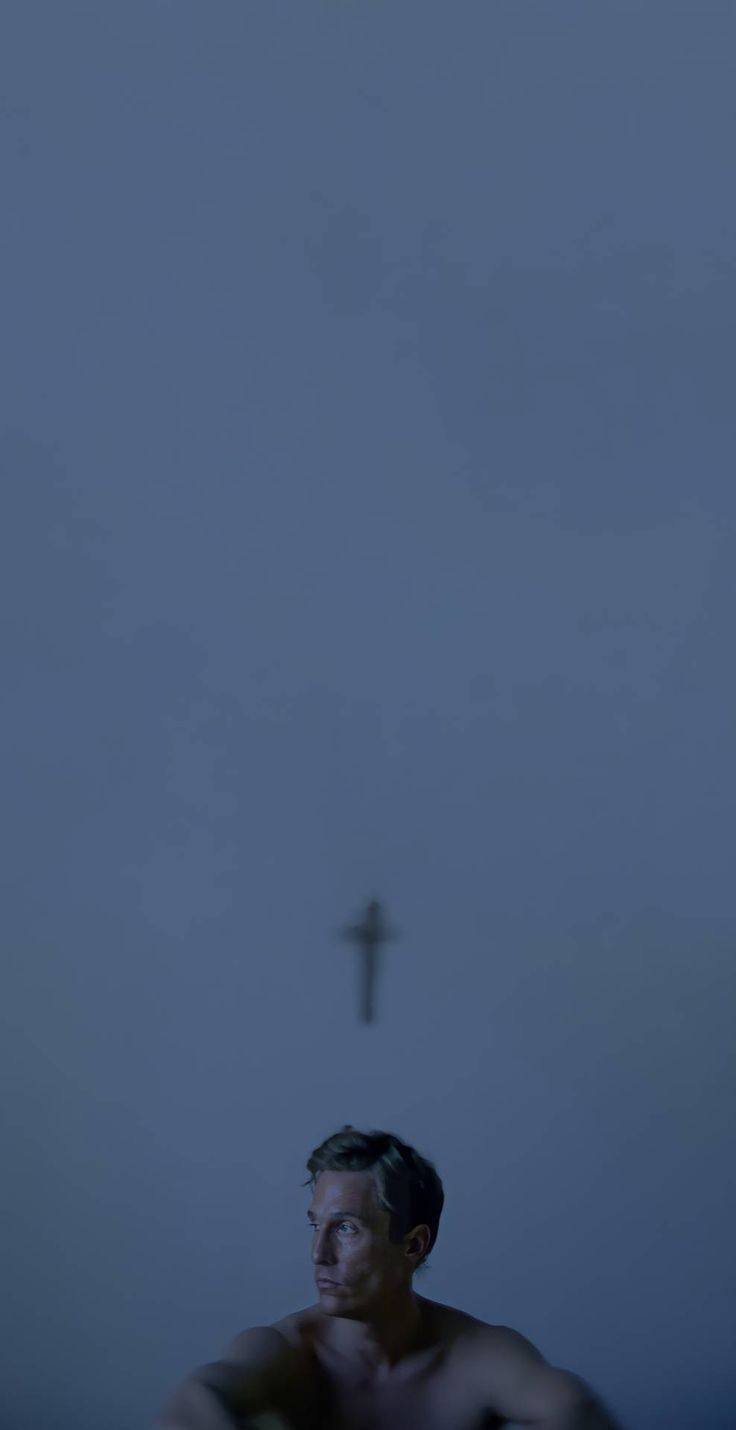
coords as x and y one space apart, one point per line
370 933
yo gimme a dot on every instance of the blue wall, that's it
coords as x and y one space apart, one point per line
367 456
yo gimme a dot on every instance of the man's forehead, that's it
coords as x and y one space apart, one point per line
352 1193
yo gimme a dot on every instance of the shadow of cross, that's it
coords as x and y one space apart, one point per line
369 934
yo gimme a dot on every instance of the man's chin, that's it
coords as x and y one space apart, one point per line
342 1304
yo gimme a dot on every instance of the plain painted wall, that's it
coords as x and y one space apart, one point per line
367 526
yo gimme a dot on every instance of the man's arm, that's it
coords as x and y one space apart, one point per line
233 1393
519 1384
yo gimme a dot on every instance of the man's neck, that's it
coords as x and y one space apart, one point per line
378 1344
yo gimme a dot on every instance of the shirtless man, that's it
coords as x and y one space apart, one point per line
371 1354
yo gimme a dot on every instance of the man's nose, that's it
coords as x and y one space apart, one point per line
321 1248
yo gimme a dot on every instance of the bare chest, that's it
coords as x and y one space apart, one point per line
439 1395
437 1403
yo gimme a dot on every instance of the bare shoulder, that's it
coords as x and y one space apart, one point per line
266 1355
298 1324
515 1378
256 1345
453 1326
485 1336
506 1347
254 1365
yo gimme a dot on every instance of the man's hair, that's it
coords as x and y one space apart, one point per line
407 1185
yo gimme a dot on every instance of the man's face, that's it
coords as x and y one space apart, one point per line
350 1244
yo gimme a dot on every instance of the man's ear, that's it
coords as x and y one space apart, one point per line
418 1241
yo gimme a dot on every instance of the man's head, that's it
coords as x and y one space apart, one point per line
375 1210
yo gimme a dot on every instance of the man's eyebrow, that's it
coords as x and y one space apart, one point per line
354 1216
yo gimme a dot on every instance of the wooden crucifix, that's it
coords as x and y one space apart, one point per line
369 934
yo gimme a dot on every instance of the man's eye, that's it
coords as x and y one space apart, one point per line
313 1225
